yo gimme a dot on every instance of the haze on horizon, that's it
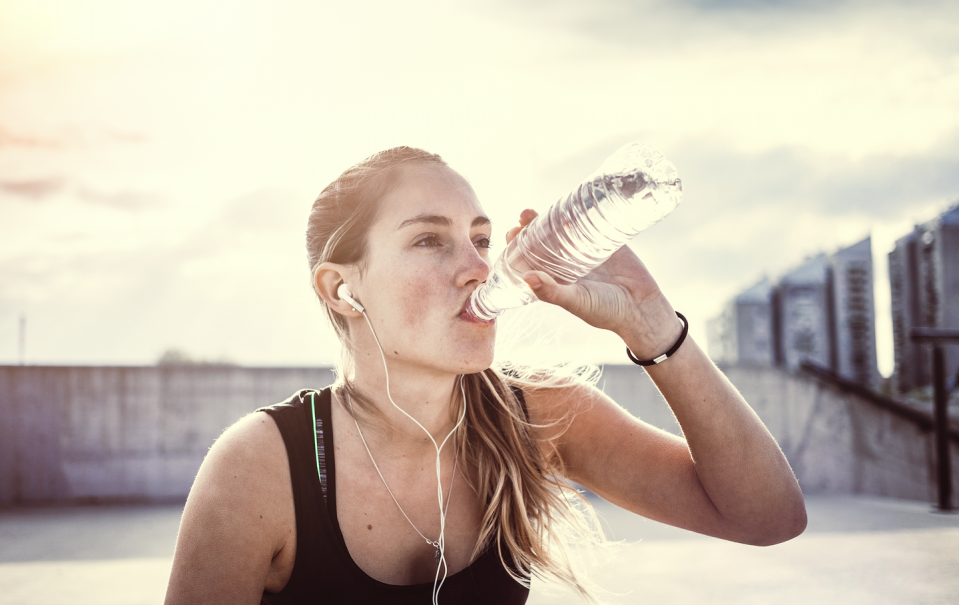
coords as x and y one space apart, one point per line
158 159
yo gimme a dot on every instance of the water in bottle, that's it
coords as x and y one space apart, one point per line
633 189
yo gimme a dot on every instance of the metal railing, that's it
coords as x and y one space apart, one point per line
938 337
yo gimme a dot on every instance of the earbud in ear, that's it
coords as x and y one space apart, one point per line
343 291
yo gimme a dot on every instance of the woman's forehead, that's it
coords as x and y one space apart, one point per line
433 189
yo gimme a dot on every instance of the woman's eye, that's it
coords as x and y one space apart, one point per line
430 241
483 242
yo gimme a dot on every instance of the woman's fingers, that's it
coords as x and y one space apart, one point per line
547 290
525 218
605 298
600 304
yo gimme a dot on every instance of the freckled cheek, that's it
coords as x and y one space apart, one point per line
418 299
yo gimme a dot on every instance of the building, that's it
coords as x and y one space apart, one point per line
912 361
924 283
803 308
720 342
743 332
822 311
854 313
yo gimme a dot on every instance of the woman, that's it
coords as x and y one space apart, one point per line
396 244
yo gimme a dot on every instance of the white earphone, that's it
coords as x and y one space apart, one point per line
343 291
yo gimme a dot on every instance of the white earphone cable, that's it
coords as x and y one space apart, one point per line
434 543
437 583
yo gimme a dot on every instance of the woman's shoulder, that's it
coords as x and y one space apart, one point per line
298 400
249 454
249 462
239 521
257 440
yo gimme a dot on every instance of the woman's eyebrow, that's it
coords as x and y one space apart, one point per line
440 221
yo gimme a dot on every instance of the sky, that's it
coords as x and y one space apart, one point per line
158 159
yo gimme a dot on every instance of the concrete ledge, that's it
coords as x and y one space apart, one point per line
124 433
70 434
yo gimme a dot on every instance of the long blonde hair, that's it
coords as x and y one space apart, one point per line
533 515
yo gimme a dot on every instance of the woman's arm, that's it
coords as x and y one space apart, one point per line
728 478
238 531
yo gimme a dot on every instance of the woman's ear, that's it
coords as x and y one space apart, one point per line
327 279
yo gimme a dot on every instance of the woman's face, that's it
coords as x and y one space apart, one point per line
426 252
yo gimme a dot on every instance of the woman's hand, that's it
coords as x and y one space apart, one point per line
620 295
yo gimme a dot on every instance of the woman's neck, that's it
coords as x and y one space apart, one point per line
427 396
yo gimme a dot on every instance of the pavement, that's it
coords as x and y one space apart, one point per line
856 550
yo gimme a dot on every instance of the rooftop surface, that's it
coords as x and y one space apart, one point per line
856 550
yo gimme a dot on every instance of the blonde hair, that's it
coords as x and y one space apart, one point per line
533 515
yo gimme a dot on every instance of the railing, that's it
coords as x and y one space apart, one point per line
938 337
938 421
922 419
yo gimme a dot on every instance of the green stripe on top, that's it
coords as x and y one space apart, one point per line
316 447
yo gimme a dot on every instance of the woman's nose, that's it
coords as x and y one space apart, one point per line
474 268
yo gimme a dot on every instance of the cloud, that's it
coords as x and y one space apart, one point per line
267 210
123 200
34 189
72 138
43 188
235 285
762 5
10 139
126 137
666 27
790 5
792 178
881 185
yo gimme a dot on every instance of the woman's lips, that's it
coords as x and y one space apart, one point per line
467 316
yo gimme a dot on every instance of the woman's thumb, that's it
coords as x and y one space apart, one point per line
546 288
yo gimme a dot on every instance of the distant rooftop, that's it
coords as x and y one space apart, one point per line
813 271
859 249
758 293
951 216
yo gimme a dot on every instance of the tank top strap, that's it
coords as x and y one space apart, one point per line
321 412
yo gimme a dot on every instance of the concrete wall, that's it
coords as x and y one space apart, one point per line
123 433
140 433
836 442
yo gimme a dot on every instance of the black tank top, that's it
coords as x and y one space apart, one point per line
324 571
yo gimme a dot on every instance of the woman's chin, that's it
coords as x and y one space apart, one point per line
477 361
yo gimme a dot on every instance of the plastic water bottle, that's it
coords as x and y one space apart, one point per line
633 189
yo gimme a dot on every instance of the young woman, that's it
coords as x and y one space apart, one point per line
334 496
